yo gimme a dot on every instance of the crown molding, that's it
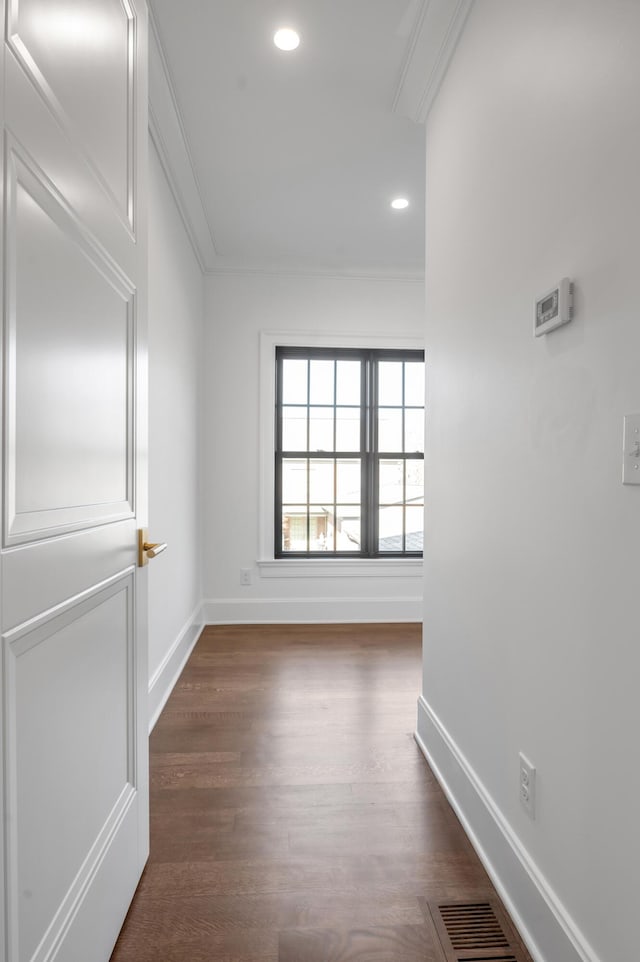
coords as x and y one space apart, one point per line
168 135
307 271
438 28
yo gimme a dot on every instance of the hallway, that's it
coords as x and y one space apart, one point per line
293 817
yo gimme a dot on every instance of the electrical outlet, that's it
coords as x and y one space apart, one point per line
245 576
527 786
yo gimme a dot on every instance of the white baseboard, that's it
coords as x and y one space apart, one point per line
309 611
166 675
551 935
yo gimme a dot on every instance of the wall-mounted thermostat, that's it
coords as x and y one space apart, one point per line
554 308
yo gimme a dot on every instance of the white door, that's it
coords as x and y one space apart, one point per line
74 679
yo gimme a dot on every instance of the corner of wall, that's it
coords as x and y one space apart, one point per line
530 900
165 677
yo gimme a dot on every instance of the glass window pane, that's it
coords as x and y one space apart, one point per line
294 429
294 481
389 430
414 383
415 482
413 430
390 483
294 528
348 382
321 381
348 528
320 528
414 528
349 479
390 382
347 429
294 381
321 484
321 429
390 530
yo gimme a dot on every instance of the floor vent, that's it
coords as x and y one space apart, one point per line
476 932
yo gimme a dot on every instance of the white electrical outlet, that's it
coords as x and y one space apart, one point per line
527 786
245 576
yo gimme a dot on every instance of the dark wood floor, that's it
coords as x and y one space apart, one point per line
293 818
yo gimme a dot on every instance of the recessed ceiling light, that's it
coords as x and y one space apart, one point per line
400 203
286 39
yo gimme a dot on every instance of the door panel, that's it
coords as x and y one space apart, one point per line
89 786
58 42
69 438
73 602
42 135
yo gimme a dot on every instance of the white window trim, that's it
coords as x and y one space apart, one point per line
269 566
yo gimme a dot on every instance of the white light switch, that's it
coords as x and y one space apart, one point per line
631 449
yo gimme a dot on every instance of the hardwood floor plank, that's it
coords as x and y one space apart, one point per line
153 942
195 839
394 943
225 914
293 818
247 797
373 816
389 876
225 774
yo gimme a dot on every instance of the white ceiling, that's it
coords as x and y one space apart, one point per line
296 156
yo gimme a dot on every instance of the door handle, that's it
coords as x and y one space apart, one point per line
148 549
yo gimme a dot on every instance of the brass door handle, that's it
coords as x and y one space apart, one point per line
148 549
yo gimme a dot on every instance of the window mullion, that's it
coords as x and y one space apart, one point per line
404 460
404 504
372 455
335 451
308 459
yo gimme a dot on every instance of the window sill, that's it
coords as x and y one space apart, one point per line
340 568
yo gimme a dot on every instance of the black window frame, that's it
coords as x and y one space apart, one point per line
369 454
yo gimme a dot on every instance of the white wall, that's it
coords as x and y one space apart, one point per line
238 309
532 560
176 310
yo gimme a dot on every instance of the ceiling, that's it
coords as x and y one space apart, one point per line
295 157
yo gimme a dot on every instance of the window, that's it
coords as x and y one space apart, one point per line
349 461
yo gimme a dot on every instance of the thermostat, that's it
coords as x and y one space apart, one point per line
554 308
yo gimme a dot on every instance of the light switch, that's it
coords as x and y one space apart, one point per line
631 449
